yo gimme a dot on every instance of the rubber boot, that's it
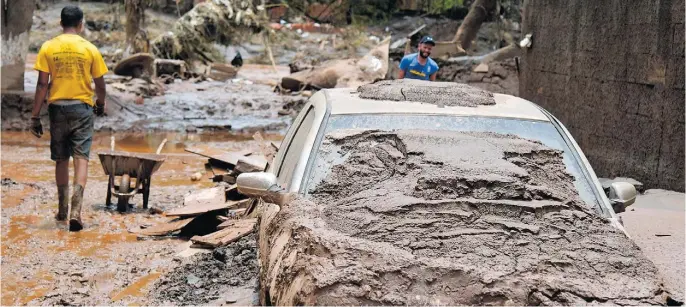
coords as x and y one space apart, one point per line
75 223
63 207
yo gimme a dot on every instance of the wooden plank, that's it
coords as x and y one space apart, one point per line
227 235
202 201
163 228
231 221
217 154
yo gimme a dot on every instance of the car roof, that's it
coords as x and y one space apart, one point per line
347 101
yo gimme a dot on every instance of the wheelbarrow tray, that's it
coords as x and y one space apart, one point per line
130 163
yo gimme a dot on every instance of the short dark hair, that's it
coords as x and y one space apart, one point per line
71 16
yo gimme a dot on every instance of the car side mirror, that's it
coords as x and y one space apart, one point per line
262 185
622 195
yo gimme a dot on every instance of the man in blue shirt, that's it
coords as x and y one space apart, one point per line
419 65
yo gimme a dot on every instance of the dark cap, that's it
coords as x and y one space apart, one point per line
427 40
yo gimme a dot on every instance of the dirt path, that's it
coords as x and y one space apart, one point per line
43 263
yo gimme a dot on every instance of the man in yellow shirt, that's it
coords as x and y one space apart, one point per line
66 66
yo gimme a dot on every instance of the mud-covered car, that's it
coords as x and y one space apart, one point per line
409 192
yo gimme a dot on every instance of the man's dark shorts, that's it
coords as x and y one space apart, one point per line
71 130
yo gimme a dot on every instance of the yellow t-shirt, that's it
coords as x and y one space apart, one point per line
72 63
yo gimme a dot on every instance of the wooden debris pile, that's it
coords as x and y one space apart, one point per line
226 166
220 215
209 217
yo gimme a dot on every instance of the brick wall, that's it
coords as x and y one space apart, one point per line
613 72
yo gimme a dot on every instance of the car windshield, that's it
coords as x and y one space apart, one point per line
543 132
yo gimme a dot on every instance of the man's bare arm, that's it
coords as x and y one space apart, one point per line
100 90
433 77
401 74
41 92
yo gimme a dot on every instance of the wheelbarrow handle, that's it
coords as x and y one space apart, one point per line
159 148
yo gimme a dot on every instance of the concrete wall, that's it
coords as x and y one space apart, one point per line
613 72
16 18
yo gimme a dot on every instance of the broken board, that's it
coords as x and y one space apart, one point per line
202 201
197 206
163 228
231 221
239 229
223 156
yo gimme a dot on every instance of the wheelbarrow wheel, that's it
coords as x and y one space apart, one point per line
124 186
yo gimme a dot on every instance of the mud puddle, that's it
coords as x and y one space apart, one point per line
43 263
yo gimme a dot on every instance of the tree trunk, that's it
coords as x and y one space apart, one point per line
471 24
16 20
135 17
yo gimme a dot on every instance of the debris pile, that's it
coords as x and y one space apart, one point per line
222 22
227 275
216 216
226 166
210 218
340 73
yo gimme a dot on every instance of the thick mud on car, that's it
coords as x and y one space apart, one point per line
482 202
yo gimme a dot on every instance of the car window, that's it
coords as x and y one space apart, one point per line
294 150
544 132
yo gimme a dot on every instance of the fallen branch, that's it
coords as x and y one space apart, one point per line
472 22
267 46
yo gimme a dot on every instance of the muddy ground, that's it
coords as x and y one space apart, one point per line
656 223
227 275
185 105
504 227
43 263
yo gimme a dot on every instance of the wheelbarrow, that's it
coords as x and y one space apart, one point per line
128 166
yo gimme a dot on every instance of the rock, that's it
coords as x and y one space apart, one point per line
77 273
481 68
192 280
476 77
197 176
8 181
83 291
139 100
155 210
499 71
